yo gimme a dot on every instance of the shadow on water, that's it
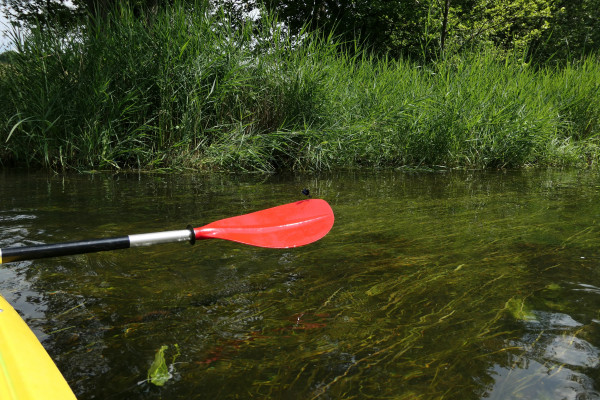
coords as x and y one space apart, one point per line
437 285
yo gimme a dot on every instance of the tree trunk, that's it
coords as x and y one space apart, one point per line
444 26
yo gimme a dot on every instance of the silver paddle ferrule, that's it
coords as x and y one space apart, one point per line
147 239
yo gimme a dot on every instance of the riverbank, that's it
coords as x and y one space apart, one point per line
181 90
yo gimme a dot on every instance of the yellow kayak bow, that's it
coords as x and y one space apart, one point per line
26 370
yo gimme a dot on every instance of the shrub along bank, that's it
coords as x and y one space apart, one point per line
182 89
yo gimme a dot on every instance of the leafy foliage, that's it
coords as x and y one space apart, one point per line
40 13
421 29
424 28
574 32
66 14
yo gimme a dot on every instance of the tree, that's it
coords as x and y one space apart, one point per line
6 57
444 25
382 25
66 14
40 13
423 28
414 28
574 33
509 24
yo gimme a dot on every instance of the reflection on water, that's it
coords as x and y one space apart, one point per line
552 363
555 358
429 286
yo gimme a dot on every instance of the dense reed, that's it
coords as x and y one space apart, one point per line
190 88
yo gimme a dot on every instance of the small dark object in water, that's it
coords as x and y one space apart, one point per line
306 192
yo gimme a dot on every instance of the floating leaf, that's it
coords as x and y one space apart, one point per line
158 373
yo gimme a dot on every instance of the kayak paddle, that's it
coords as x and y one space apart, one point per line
289 225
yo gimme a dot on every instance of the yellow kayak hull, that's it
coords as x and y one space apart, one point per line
26 370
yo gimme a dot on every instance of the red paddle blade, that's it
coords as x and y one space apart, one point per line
289 225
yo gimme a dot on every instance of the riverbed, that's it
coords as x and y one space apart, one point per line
431 285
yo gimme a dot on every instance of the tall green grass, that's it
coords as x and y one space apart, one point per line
188 87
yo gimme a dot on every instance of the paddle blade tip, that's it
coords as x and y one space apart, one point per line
286 226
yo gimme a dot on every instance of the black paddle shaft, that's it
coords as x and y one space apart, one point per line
63 249
10 254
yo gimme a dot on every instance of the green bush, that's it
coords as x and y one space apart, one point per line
187 87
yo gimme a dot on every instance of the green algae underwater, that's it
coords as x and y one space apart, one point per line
437 285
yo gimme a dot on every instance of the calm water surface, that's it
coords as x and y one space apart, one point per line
429 286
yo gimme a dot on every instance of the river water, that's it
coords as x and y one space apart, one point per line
454 285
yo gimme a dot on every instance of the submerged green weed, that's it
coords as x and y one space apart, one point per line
159 372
